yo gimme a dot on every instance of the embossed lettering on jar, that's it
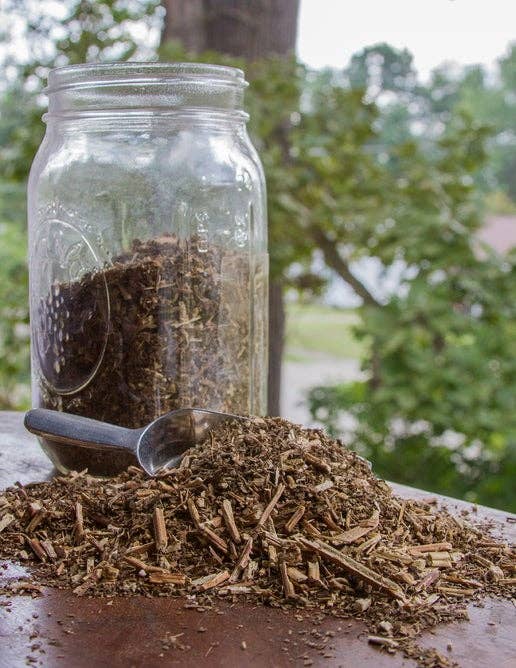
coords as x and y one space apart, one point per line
148 257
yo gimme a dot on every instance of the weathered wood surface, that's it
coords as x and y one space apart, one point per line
86 633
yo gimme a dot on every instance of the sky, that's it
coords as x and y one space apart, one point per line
464 31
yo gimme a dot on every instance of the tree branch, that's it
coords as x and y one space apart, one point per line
337 263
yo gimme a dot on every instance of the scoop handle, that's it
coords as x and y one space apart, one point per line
78 430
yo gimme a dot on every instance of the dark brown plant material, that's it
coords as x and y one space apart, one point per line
174 332
267 511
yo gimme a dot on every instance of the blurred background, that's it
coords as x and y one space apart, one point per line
388 135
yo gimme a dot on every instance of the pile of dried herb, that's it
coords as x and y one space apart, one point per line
265 510
174 332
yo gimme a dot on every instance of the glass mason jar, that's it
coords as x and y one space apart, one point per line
148 249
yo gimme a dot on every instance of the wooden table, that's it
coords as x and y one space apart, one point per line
126 632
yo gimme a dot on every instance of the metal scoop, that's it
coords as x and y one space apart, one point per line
159 445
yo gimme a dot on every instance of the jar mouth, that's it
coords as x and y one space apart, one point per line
146 88
140 73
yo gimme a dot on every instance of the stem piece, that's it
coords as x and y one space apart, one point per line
160 529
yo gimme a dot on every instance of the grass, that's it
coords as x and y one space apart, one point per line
315 328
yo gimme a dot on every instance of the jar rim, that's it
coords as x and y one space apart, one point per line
91 74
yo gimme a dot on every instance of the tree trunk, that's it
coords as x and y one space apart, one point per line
246 30
276 345
185 21
250 30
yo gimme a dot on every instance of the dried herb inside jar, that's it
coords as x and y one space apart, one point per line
168 324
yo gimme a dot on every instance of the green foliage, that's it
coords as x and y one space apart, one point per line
388 76
435 410
21 131
103 30
382 68
14 329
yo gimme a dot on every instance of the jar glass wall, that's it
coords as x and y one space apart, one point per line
148 259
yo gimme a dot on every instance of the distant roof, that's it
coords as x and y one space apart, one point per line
499 232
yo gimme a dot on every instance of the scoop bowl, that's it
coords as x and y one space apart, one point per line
157 446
